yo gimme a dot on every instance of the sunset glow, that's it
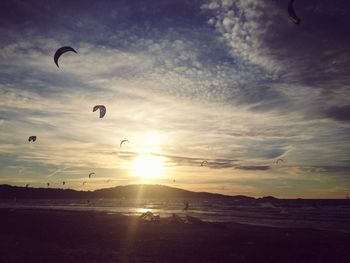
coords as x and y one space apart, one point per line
148 167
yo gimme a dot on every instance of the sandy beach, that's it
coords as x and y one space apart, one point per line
62 236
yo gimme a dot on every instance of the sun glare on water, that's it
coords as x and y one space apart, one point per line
148 167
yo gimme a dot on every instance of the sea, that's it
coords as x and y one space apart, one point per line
326 215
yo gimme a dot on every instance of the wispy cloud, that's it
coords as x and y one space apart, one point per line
254 168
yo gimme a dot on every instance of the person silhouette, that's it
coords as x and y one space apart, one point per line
187 205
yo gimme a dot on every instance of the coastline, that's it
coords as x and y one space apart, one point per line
70 236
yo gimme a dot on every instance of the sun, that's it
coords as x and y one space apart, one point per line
148 167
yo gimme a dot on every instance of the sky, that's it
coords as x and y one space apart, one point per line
235 83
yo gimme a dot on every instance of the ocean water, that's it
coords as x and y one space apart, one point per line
328 216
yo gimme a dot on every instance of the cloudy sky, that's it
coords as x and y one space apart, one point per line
234 83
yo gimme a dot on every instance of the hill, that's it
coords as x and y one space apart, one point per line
128 191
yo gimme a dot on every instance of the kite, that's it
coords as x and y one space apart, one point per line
292 14
204 163
102 109
32 139
61 51
121 143
90 175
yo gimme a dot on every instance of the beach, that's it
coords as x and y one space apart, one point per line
70 236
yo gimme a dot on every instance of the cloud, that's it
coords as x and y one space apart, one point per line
56 172
231 82
173 160
243 26
275 63
341 113
254 168
197 161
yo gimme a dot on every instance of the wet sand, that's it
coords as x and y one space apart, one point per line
62 236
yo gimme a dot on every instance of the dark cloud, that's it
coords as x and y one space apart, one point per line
334 169
196 161
262 98
341 113
254 168
313 53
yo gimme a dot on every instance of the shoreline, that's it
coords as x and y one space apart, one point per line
266 221
31 235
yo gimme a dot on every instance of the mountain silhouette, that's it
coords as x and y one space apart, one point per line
127 191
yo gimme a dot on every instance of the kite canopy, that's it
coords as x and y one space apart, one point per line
292 13
102 109
60 52
121 143
32 139
90 174
279 161
204 163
